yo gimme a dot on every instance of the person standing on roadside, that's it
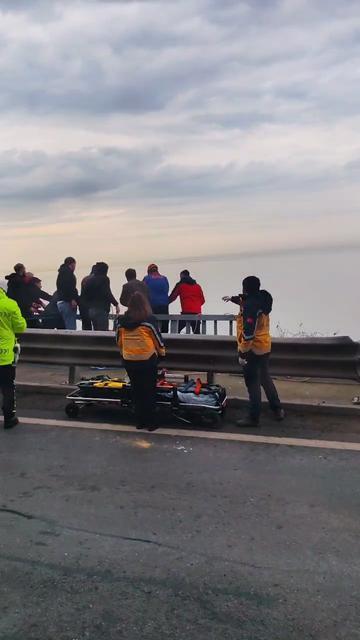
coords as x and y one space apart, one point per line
98 297
11 323
158 287
141 345
191 299
131 286
17 285
67 293
254 347
83 304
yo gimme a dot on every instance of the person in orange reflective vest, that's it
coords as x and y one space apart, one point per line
254 347
141 345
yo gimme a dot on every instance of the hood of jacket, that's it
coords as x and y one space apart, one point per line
261 302
64 268
14 278
187 280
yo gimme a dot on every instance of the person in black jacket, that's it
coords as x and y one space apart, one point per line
131 286
98 297
17 284
33 301
67 293
86 323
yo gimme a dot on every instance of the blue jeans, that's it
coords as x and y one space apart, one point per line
68 314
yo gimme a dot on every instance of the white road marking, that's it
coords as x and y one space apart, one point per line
210 435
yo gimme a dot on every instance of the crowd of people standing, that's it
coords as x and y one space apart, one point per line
94 299
23 303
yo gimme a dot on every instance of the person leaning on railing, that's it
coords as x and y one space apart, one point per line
158 287
191 299
11 323
254 347
141 345
131 286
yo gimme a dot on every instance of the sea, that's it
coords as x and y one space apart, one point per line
316 292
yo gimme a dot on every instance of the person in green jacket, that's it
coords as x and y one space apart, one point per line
11 323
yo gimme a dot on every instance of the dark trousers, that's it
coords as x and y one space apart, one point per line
85 319
7 386
162 309
257 375
195 326
99 319
143 378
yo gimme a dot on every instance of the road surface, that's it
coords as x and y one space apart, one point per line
111 535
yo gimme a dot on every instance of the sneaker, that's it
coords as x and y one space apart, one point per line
10 423
279 415
247 423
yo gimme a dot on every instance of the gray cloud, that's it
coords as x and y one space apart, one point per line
126 175
119 58
205 100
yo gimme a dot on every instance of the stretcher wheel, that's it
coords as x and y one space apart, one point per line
72 410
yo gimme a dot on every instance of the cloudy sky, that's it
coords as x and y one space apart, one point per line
160 128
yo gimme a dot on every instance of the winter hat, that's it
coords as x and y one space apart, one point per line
152 268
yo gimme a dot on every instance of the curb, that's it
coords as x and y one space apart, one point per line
234 402
318 408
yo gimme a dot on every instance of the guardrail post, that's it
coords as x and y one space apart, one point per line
231 328
210 377
215 327
188 326
174 326
72 374
203 327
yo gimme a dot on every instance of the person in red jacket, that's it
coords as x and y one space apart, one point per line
191 299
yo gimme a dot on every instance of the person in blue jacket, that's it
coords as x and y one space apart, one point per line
158 287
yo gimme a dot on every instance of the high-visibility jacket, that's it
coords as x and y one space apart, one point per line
139 341
259 340
253 323
11 323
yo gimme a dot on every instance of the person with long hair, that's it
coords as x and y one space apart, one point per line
141 345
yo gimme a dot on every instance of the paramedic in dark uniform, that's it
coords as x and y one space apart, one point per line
141 345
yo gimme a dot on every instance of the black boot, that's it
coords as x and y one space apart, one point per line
10 421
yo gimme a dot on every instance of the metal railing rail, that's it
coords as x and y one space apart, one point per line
337 357
207 322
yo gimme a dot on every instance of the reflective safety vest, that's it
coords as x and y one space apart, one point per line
11 323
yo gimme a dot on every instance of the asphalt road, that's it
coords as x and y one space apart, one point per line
110 536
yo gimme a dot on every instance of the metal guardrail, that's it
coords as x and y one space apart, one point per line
337 357
209 324
216 322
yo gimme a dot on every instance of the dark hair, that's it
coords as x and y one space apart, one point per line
152 268
251 284
19 267
130 274
139 308
101 269
69 261
185 272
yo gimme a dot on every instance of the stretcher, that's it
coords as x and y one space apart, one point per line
188 400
